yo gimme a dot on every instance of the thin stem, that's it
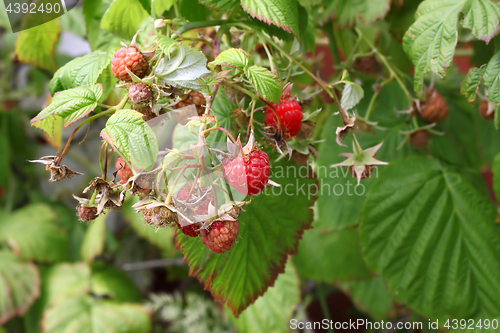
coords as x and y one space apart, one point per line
220 129
243 90
202 24
382 58
268 52
88 120
324 306
250 124
172 188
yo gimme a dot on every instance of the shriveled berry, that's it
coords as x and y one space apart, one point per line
140 93
124 172
367 65
131 58
435 108
195 98
248 174
86 213
159 216
419 139
287 114
486 111
221 236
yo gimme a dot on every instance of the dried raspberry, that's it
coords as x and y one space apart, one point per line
248 174
140 93
435 108
221 236
306 130
367 65
131 58
159 216
290 118
486 111
419 139
201 209
124 171
196 98
366 172
86 213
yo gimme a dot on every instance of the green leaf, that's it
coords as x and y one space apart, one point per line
31 232
162 238
491 74
225 5
162 6
166 44
347 11
371 297
85 314
314 259
497 117
72 105
80 72
95 237
273 311
123 17
351 95
222 108
213 78
183 68
282 13
469 86
265 82
236 58
430 42
35 46
65 280
192 10
429 232
19 286
132 138
113 283
269 230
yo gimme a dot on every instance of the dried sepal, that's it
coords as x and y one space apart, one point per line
57 172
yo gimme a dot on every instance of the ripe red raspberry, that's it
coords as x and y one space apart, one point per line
435 108
247 174
290 117
86 213
124 172
140 93
221 236
131 58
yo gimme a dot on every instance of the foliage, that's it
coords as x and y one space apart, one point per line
417 238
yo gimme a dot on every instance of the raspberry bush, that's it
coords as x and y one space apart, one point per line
278 151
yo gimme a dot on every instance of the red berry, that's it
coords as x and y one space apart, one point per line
221 236
86 213
248 174
131 58
201 209
124 172
290 117
419 139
